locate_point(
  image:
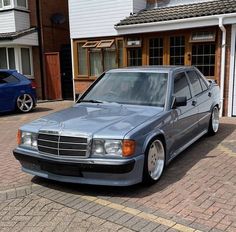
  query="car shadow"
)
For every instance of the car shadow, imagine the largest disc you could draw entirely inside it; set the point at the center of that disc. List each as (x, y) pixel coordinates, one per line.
(15, 113)
(173, 172)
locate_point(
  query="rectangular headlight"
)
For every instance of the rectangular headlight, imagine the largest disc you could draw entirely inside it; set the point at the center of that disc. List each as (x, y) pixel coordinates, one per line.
(27, 139)
(107, 147)
(119, 148)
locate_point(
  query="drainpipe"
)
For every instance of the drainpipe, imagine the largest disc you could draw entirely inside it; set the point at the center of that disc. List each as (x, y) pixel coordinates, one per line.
(41, 44)
(223, 55)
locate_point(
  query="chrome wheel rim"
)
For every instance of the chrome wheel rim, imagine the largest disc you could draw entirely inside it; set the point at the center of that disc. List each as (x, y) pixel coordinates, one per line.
(215, 119)
(25, 103)
(156, 159)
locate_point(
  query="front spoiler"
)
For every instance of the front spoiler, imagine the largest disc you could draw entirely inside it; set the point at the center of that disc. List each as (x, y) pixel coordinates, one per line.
(123, 172)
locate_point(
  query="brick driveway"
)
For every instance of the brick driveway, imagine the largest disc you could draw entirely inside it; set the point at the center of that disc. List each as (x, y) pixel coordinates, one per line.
(197, 191)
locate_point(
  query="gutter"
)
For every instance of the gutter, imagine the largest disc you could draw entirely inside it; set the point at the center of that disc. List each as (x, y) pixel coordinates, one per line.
(223, 55)
(232, 71)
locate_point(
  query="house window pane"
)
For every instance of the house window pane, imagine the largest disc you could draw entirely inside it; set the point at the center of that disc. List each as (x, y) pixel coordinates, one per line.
(135, 57)
(6, 2)
(3, 58)
(177, 50)
(109, 59)
(83, 70)
(203, 57)
(21, 3)
(0, 3)
(25, 59)
(11, 58)
(120, 55)
(156, 51)
(95, 62)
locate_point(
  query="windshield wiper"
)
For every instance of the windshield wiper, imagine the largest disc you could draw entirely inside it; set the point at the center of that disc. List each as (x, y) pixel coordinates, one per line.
(90, 101)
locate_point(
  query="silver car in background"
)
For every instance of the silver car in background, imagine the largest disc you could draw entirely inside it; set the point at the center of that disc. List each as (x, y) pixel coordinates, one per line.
(124, 129)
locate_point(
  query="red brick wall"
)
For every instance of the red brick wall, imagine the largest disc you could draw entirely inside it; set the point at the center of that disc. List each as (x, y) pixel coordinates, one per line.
(81, 86)
(54, 36)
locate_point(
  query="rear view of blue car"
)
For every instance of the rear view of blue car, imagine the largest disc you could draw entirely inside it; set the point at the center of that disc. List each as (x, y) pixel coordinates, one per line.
(16, 92)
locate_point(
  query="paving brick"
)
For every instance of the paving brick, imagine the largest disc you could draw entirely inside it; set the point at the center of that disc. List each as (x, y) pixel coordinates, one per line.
(191, 191)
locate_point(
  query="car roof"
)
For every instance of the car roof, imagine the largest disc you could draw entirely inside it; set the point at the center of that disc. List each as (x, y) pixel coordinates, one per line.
(8, 70)
(154, 68)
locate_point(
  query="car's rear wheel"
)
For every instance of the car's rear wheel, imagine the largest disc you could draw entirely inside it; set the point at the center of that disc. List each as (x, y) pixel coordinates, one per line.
(214, 121)
(154, 162)
(24, 103)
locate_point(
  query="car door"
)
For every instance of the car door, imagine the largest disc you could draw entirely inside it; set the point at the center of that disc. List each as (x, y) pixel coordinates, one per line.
(7, 91)
(185, 117)
(203, 99)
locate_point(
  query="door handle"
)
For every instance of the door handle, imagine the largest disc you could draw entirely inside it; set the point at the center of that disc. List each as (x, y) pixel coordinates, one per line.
(194, 103)
(209, 94)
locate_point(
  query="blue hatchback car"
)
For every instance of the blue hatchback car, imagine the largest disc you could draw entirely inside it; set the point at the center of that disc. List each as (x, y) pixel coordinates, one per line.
(16, 92)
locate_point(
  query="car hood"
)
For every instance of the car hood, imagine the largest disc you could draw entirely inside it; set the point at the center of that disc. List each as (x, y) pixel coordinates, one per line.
(95, 120)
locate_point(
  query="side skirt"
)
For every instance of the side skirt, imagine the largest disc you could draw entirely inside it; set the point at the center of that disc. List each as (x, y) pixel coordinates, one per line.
(181, 149)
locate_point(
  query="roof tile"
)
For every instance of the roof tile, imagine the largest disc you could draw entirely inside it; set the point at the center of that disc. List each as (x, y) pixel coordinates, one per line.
(210, 8)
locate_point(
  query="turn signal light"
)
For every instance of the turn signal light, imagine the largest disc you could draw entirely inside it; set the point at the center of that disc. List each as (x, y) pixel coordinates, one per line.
(128, 147)
(19, 137)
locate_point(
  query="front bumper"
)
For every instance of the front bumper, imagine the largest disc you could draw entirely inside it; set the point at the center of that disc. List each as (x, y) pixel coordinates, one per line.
(122, 172)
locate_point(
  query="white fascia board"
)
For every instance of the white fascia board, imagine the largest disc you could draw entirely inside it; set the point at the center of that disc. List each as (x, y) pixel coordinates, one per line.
(176, 24)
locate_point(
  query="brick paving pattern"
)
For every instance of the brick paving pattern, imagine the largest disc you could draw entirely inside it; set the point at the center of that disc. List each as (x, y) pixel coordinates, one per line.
(196, 192)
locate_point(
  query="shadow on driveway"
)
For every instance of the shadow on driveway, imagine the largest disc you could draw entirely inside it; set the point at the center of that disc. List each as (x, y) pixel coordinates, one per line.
(16, 113)
(177, 169)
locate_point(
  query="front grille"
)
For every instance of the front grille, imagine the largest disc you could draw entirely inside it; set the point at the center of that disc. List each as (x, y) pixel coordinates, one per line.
(62, 145)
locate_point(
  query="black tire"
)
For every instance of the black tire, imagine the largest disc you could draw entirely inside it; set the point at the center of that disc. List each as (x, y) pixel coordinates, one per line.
(156, 145)
(214, 121)
(24, 103)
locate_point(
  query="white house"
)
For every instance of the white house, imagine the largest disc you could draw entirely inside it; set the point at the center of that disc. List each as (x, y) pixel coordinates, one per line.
(108, 34)
(16, 37)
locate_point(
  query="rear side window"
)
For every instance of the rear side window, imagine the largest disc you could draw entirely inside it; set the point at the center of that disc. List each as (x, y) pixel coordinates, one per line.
(181, 86)
(195, 82)
(7, 78)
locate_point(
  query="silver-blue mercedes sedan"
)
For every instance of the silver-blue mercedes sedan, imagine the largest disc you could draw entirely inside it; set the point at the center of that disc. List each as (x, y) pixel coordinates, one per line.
(124, 129)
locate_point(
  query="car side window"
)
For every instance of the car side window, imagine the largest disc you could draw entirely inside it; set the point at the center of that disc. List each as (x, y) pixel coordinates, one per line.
(203, 83)
(181, 86)
(7, 78)
(195, 82)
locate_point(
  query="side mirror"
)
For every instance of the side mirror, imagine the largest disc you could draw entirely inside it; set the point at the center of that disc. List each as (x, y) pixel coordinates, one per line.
(179, 101)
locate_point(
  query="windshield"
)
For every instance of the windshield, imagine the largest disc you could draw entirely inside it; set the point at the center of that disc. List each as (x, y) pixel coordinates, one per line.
(136, 88)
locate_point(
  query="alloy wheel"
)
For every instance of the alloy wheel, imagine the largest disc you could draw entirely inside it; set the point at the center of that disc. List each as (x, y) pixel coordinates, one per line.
(25, 103)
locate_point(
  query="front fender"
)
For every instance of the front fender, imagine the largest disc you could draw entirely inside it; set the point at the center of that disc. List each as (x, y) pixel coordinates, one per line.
(151, 136)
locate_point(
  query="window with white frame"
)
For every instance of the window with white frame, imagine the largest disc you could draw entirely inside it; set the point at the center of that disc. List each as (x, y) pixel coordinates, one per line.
(22, 3)
(26, 61)
(5, 4)
(7, 58)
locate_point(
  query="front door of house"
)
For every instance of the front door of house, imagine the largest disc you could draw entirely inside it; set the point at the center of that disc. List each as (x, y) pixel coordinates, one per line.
(53, 76)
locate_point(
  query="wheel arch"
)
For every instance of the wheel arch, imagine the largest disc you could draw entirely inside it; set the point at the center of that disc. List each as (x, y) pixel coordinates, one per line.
(157, 135)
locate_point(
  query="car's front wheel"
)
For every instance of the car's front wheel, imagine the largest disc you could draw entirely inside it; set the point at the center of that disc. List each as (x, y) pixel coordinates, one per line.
(214, 121)
(154, 162)
(24, 103)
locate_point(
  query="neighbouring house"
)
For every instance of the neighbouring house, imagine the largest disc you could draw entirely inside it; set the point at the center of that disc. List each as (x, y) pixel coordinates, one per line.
(109, 34)
(33, 35)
